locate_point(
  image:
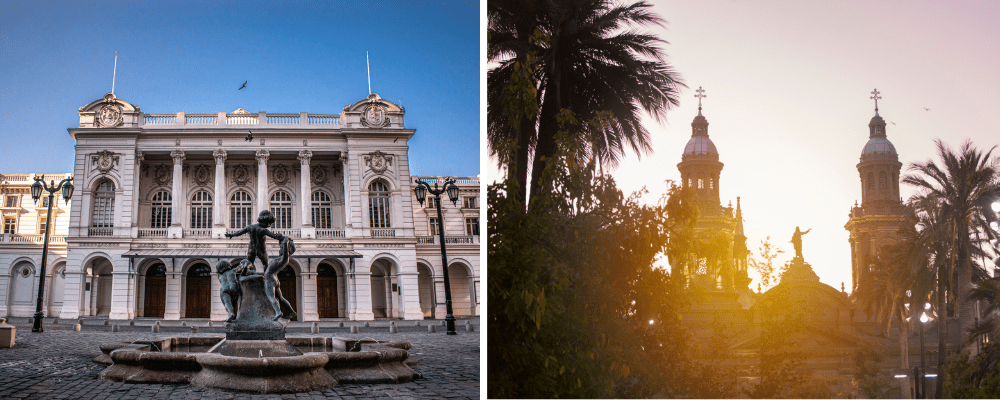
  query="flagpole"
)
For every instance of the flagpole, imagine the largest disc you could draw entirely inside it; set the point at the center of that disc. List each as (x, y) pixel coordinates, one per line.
(369, 65)
(114, 74)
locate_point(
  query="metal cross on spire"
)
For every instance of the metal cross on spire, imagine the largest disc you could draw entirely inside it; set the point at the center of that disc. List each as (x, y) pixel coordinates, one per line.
(700, 95)
(875, 95)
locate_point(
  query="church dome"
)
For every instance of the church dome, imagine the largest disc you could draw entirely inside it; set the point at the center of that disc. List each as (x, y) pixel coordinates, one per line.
(700, 145)
(878, 145)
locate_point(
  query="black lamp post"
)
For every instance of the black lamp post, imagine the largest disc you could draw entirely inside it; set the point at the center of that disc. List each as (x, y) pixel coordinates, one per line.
(36, 191)
(421, 192)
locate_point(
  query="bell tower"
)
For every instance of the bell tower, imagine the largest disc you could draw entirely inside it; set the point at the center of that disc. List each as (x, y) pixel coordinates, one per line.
(877, 220)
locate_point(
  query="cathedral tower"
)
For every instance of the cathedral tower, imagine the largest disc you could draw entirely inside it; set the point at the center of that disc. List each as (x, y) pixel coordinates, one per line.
(713, 264)
(877, 220)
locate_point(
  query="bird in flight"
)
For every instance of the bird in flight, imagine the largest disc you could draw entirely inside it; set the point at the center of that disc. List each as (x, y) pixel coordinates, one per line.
(249, 136)
(244, 85)
(926, 109)
(892, 122)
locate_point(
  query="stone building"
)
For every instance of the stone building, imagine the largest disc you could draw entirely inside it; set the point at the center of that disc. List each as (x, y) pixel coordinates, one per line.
(720, 257)
(24, 227)
(155, 194)
(876, 222)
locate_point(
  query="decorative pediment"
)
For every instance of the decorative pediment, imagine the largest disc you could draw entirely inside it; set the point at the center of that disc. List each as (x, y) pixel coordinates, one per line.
(373, 112)
(109, 112)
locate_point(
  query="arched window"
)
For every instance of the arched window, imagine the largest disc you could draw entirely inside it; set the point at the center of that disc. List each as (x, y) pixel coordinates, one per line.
(321, 210)
(104, 205)
(378, 205)
(201, 210)
(281, 208)
(240, 210)
(161, 210)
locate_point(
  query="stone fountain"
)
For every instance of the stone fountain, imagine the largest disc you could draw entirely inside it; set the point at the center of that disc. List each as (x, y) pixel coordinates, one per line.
(255, 356)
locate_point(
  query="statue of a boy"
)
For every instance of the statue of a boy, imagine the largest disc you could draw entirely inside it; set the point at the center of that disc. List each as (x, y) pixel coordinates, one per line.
(257, 232)
(271, 287)
(229, 281)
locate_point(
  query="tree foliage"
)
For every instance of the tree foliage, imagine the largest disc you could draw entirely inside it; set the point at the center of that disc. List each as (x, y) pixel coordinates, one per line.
(573, 290)
(581, 55)
(764, 265)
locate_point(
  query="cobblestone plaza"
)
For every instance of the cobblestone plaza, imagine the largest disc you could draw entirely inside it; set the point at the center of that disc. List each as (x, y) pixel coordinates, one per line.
(58, 364)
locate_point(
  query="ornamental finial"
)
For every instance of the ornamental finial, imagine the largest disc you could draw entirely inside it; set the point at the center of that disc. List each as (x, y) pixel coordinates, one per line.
(875, 95)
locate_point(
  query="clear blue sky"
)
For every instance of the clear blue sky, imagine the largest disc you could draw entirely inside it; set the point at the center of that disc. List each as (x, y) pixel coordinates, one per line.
(188, 56)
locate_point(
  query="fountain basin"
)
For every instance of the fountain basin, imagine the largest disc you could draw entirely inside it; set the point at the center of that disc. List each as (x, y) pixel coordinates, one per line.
(260, 366)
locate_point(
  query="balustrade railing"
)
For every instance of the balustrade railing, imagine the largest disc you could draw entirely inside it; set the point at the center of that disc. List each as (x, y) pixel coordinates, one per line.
(324, 120)
(100, 231)
(201, 119)
(31, 238)
(459, 239)
(292, 233)
(160, 120)
(425, 240)
(259, 119)
(282, 119)
(198, 233)
(329, 233)
(241, 119)
(152, 232)
(382, 233)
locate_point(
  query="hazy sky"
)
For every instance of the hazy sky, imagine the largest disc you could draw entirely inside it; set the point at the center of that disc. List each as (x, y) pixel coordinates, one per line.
(788, 86)
(192, 56)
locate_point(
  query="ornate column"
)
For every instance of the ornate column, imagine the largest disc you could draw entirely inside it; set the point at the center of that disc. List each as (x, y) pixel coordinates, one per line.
(136, 178)
(175, 230)
(308, 230)
(262, 156)
(219, 226)
(347, 193)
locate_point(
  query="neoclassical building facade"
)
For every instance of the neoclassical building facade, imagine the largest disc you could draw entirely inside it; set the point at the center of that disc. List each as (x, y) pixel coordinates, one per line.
(155, 194)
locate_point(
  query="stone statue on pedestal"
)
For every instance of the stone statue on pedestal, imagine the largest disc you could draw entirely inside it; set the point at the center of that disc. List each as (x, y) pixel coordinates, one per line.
(797, 241)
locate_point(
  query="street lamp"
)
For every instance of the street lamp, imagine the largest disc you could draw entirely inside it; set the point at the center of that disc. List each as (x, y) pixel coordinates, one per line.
(36, 191)
(421, 192)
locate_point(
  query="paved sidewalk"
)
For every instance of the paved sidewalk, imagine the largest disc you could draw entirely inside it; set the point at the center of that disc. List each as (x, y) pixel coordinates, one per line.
(58, 364)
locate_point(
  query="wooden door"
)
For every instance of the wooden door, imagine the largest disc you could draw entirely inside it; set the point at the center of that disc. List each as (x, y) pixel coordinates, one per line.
(326, 297)
(199, 289)
(286, 281)
(155, 296)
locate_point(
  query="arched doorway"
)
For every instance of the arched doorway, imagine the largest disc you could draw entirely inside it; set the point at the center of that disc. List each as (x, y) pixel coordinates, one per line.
(326, 291)
(102, 293)
(425, 281)
(461, 296)
(286, 281)
(380, 281)
(199, 288)
(155, 291)
(54, 290)
(21, 290)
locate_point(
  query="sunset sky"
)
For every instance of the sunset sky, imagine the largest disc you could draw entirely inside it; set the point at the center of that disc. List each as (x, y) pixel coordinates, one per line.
(788, 86)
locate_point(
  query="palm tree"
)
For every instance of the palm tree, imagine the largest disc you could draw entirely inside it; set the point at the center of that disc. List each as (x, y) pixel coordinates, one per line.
(898, 282)
(584, 56)
(959, 187)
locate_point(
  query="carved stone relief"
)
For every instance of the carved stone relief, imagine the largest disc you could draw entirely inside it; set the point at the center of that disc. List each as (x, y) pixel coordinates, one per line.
(280, 174)
(202, 174)
(105, 161)
(162, 174)
(241, 174)
(378, 161)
